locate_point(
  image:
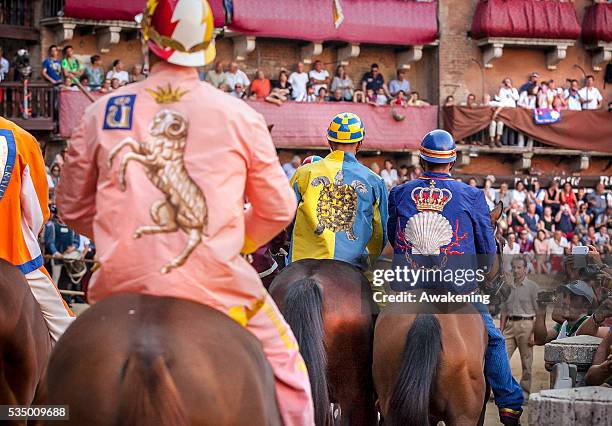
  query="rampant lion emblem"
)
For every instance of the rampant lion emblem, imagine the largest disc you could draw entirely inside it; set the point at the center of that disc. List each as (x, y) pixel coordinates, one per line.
(184, 205)
(337, 204)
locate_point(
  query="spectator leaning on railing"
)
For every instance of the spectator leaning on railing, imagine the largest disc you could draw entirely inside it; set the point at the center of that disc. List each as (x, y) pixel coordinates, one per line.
(319, 77)
(136, 74)
(260, 87)
(52, 66)
(343, 83)
(235, 75)
(298, 80)
(117, 72)
(591, 97)
(373, 80)
(95, 72)
(572, 96)
(216, 76)
(4, 66)
(399, 84)
(70, 65)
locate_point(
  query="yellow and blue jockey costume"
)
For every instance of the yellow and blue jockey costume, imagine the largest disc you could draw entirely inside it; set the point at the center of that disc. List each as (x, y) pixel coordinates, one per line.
(342, 205)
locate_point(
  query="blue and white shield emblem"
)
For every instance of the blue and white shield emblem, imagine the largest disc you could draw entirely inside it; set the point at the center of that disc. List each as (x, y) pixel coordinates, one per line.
(8, 152)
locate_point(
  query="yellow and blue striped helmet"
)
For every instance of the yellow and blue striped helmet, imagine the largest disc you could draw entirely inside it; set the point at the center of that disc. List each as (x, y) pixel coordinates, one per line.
(346, 127)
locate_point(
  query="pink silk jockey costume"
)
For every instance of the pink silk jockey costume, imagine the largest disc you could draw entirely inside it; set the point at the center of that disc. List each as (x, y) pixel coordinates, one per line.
(156, 174)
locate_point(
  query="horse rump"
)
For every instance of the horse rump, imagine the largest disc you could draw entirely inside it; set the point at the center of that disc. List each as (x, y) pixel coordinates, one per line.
(409, 401)
(148, 391)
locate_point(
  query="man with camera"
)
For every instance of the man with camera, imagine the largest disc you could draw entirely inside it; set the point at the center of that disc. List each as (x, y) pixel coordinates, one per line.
(572, 304)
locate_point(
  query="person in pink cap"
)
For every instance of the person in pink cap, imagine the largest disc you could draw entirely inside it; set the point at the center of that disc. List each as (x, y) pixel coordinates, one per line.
(156, 175)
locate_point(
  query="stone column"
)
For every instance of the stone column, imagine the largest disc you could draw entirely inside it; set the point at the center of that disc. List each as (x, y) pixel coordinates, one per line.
(577, 352)
(591, 405)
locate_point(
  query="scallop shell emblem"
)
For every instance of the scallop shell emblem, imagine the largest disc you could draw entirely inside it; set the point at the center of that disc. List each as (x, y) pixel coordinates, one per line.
(427, 232)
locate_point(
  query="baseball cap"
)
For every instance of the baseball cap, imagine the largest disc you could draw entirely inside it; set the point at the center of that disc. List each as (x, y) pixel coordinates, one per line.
(580, 288)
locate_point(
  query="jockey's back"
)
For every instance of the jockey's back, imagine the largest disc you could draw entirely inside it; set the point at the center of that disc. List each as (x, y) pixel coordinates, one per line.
(342, 211)
(454, 230)
(197, 152)
(23, 197)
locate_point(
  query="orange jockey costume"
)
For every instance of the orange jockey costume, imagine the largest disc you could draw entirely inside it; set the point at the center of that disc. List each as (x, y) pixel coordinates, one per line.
(157, 173)
(24, 209)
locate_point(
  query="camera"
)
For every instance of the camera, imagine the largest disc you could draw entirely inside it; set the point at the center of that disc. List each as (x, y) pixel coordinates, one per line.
(546, 297)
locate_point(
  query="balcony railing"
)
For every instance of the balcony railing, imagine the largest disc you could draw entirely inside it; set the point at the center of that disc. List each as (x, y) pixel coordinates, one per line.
(40, 112)
(16, 12)
(53, 8)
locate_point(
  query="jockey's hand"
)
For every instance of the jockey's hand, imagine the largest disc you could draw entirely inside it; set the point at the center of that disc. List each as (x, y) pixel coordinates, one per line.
(70, 249)
(58, 255)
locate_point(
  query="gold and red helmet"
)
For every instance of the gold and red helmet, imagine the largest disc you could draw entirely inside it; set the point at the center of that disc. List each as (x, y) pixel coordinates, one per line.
(180, 31)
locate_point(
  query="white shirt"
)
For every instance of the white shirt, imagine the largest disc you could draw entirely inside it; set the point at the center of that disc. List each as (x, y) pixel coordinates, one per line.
(592, 96)
(239, 77)
(4, 68)
(558, 248)
(573, 101)
(318, 75)
(122, 76)
(507, 97)
(527, 101)
(516, 248)
(519, 197)
(389, 177)
(298, 81)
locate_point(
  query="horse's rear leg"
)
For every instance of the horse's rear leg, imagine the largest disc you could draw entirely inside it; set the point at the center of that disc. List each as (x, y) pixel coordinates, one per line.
(465, 408)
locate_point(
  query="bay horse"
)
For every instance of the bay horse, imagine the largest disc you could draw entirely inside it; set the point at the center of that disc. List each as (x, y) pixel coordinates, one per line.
(25, 342)
(134, 359)
(429, 366)
(328, 305)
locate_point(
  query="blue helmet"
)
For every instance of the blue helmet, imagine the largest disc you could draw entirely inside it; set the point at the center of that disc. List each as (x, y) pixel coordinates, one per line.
(438, 146)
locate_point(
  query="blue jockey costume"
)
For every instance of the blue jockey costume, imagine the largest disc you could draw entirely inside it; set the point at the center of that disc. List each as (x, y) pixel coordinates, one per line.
(342, 205)
(437, 219)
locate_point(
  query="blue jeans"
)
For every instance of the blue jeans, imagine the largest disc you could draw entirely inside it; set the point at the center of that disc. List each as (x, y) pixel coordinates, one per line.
(507, 392)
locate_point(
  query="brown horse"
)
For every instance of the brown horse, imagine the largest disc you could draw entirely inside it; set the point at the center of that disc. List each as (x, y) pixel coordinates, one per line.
(429, 365)
(25, 343)
(328, 305)
(144, 360)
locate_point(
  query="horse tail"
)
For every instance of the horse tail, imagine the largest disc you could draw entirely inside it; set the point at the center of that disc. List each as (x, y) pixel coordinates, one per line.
(148, 393)
(409, 402)
(304, 314)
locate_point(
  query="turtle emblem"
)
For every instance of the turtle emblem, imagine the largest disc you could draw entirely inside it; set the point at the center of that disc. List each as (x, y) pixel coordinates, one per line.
(337, 204)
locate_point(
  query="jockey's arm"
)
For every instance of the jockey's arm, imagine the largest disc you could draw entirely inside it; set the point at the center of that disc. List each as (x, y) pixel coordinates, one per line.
(272, 200)
(484, 239)
(392, 219)
(76, 192)
(540, 333)
(37, 181)
(379, 220)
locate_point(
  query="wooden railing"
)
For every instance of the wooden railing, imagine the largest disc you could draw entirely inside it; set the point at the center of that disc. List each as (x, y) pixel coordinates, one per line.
(41, 111)
(16, 12)
(53, 8)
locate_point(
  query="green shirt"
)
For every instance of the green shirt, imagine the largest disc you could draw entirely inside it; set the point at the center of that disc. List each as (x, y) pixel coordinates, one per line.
(570, 331)
(72, 66)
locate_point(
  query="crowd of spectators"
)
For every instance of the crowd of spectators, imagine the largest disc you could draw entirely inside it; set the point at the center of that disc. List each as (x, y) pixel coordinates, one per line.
(535, 93)
(65, 71)
(541, 223)
(316, 85)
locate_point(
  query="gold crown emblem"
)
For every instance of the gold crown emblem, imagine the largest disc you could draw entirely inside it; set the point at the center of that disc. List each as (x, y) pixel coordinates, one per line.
(430, 199)
(167, 95)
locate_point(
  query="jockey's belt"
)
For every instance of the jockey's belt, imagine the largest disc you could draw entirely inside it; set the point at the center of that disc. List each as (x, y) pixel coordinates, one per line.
(268, 271)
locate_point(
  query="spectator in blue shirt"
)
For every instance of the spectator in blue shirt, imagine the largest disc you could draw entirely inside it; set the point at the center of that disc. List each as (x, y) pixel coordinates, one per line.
(400, 84)
(52, 66)
(59, 240)
(373, 80)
